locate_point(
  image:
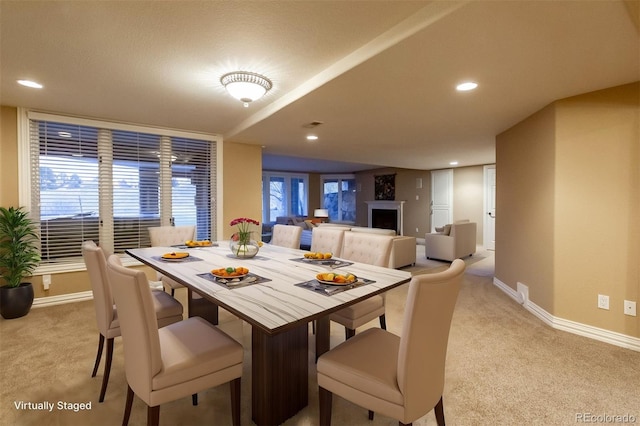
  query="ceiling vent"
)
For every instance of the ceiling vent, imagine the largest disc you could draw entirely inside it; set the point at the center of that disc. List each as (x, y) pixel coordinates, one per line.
(312, 125)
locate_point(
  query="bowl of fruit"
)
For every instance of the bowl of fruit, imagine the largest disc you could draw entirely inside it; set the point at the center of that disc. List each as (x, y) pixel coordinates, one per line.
(332, 278)
(230, 272)
(317, 256)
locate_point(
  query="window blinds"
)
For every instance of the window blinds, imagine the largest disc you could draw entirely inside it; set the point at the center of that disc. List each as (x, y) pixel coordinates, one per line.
(109, 184)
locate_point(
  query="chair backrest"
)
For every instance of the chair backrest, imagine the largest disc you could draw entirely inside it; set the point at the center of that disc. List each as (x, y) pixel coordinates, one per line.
(327, 240)
(170, 235)
(425, 335)
(138, 325)
(96, 262)
(286, 236)
(374, 249)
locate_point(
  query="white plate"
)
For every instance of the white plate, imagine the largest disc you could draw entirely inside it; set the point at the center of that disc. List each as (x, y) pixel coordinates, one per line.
(226, 277)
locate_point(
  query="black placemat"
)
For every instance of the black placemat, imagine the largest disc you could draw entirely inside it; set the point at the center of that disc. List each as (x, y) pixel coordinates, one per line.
(250, 279)
(330, 290)
(332, 263)
(184, 259)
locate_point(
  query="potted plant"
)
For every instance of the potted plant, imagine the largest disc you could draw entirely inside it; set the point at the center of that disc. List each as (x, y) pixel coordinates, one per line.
(19, 257)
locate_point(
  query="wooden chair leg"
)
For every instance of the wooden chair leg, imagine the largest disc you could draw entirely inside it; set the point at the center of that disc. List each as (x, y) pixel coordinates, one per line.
(439, 410)
(173, 292)
(98, 356)
(153, 415)
(194, 399)
(349, 333)
(325, 406)
(383, 322)
(235, 401)
(127, 406)
(370, 415)
(107, 369)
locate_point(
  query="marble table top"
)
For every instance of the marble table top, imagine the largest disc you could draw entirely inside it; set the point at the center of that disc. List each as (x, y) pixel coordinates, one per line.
(274, 305)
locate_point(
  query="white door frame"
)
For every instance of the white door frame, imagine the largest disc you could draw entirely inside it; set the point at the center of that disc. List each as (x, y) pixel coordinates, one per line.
(489, 206)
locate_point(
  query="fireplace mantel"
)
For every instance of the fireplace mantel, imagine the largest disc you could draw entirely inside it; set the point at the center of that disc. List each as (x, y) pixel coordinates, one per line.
(388, 205)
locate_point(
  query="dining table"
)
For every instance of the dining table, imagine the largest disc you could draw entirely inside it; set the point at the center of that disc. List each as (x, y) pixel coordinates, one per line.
(279, 295)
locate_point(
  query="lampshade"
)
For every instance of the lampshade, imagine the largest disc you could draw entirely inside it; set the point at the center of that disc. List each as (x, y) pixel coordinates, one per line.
(321, 213)
(246, 86)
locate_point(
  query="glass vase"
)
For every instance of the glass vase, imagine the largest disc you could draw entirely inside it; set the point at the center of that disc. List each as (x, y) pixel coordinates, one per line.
(244, 249)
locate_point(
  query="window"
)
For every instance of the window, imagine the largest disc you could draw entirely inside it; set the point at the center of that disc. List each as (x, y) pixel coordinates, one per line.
(93, 180)
(339, 197)
(285, 194)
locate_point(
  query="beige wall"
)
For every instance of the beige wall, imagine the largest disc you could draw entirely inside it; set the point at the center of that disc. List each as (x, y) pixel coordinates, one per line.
(468, 197)
(241, 182)
(568, 207)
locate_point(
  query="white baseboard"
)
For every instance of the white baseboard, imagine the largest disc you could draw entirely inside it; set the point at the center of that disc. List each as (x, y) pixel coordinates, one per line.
(63, 298)
(600, 334)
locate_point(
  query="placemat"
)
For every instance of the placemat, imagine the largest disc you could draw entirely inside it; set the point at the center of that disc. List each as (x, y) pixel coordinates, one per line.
(332, 263)
(184, 259)
(330, 290)
(231, 284)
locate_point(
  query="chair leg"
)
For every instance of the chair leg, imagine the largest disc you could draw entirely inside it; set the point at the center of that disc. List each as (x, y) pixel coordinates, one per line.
(153, 415)
(383, 322)
(439, 410)
(325, 406)
(194, 399)
(99, 355)
(173, 292)
(370, 415)
(127, 406)
(235, 401)
(349, 333)
(107, 369)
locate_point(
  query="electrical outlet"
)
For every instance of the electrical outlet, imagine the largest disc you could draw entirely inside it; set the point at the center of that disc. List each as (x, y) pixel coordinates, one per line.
(46, 281)
(417, 230)
(630, 308)
(603, 301)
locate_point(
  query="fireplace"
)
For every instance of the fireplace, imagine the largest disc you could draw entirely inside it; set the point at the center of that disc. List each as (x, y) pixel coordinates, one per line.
(386, 214)
(385, 219)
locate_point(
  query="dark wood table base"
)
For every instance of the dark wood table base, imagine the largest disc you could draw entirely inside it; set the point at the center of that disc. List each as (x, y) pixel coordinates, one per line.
(279, 374)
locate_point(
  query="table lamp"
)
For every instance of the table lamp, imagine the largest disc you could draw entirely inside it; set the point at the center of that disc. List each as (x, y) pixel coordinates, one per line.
(321, 214)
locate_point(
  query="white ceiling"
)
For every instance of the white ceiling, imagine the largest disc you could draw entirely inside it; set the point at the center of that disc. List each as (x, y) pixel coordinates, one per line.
(380, 75)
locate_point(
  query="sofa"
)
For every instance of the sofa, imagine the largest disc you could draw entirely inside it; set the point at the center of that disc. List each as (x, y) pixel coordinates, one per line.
(453, 241)
(403, 249)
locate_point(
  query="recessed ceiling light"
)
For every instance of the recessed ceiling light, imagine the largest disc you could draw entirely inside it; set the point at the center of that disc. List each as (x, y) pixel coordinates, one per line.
(29, 83)
(453, 163)
(312, 138)
(466, 86)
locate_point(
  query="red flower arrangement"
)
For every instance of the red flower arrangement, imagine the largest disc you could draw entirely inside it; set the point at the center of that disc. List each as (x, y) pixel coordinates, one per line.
(244, 229)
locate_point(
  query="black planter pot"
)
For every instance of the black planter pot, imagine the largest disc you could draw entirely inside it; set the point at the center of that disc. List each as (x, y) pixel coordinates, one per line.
(15, 302)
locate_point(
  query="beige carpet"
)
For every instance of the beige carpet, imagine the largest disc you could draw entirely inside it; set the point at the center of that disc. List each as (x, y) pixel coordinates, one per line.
(504, 367)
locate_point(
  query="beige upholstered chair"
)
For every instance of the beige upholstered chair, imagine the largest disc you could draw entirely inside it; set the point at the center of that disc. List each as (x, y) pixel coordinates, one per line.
(327, 240)
(166, 309)
(286, 236)
(399, 377)
(373, 249)
(167, 364)
(169, 236)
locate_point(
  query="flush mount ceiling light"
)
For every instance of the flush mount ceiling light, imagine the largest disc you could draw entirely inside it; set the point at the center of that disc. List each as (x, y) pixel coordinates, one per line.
(246, 86)
(466, 86)
(312, 138)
